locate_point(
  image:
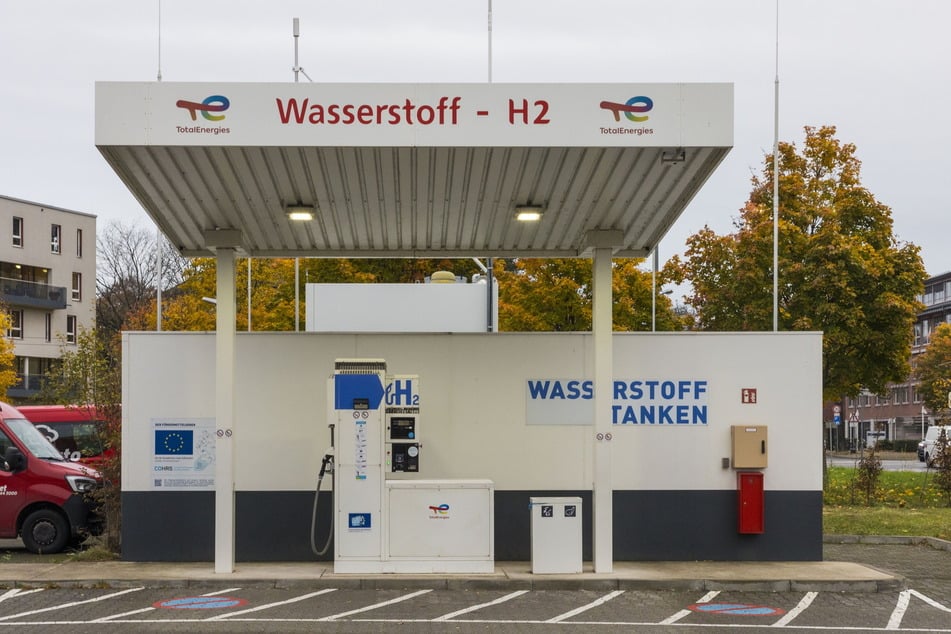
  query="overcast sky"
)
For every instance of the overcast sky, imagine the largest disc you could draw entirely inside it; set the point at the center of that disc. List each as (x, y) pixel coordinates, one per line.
(878, 70)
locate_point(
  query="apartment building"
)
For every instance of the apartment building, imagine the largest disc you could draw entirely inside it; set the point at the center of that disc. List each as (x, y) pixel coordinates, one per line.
(47, 284)
(899, 414)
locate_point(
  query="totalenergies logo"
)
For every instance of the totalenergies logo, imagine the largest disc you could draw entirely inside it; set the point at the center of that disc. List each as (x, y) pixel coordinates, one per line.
(207, 107)
(631, 108)
(440, 512)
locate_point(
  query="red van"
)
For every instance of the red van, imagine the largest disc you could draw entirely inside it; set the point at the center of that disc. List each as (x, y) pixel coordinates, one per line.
(73, 429)
(42, 496)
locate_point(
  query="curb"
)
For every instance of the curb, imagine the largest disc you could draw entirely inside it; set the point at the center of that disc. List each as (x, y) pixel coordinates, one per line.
(504, 580)
(880, 540)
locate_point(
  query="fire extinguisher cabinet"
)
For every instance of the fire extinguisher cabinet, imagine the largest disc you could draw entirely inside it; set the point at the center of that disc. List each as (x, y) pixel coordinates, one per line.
(749, 486)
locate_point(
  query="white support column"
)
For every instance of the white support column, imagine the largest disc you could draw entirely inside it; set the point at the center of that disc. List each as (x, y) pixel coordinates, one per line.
(603, 324)
(224, 411)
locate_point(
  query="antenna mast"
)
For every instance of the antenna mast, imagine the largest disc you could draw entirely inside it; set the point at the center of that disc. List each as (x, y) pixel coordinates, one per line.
(159, 75)
(298, 69)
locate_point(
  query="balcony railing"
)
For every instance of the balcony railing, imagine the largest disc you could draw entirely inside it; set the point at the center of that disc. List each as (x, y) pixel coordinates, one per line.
(32, 294)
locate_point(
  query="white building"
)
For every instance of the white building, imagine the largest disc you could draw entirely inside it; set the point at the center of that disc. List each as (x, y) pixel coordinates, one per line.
(47, 283)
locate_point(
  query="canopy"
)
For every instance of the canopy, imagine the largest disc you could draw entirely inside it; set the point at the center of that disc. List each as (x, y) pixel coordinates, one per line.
(406, 170)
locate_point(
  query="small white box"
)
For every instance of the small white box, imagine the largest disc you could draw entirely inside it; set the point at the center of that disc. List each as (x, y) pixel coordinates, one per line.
(556, 535)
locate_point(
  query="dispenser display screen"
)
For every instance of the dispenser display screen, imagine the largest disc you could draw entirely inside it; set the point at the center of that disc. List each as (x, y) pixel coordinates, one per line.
(403, 428)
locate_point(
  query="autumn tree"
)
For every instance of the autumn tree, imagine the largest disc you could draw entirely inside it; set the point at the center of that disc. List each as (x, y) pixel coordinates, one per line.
(534, 295)
(841, 269)
(555, 295)
(8, 373)
(933, 370)
(272, 288)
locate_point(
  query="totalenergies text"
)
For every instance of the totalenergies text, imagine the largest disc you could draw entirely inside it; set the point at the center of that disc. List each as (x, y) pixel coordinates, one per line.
(444, 112)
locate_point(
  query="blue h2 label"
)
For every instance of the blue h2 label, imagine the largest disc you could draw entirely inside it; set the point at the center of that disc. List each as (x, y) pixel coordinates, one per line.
(402, 393)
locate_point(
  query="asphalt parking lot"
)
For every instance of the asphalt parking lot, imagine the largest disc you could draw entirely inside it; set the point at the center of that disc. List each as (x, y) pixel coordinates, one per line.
(922, 602)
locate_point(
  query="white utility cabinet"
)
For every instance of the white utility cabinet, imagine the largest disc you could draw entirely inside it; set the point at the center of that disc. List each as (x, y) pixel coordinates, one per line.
(441, 526)
(556, 535)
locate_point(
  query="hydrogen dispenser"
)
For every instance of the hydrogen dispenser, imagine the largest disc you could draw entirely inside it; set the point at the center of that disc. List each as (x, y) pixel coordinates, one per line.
(387, 518)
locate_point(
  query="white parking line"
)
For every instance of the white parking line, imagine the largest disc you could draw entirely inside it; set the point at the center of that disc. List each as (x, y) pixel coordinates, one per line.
(591, 625)
(16, 592)
(105, 619)
(585, 608)
(69, 605)
(796, 611)
(673, 618)
(221, 617)
(217, 592)
(406, 597)
(508, 597)
(894, 621)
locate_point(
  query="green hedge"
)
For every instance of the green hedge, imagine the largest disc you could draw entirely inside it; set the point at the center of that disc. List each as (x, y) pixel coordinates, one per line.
(910, 446)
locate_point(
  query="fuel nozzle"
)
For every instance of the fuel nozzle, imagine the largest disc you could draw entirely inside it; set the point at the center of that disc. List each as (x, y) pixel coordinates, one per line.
(327, 462)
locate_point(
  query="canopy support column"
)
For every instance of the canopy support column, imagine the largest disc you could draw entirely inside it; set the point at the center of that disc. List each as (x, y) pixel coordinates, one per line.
(603, 493)
(224, 410)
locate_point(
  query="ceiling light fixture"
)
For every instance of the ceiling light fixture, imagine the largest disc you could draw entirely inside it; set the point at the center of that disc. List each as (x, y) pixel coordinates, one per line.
(528, 213)
(299, 213)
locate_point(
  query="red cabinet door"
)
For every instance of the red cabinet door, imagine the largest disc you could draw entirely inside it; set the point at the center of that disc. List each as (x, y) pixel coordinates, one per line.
(749, 485)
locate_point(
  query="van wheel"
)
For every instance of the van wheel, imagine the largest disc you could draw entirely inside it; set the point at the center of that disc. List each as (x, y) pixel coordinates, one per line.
(44, 532)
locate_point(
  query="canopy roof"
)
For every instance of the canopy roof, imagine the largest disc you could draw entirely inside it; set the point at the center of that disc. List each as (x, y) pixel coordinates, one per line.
(428, 170)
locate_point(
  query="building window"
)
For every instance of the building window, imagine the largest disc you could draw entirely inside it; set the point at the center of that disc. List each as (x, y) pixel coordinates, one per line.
(17, 231)
(48, 335)
(77, 287)
(16, 324)
(70, 328)
(79, 243)
(901, 394)
(56, 236)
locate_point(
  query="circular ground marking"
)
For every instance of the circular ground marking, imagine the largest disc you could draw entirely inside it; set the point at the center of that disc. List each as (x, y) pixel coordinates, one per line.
(200, 603)
(740, 609)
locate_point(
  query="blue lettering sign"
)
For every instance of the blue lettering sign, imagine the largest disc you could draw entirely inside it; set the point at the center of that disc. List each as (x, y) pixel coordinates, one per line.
(656, 402)
(569, 390)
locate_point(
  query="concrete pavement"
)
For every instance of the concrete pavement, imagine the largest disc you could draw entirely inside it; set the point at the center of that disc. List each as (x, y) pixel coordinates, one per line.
(841, 575)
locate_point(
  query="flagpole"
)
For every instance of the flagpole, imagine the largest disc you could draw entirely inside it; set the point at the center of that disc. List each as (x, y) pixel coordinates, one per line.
(776, 184)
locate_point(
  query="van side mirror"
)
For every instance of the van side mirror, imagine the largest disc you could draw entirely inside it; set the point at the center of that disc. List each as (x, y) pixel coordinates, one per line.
(15, 459)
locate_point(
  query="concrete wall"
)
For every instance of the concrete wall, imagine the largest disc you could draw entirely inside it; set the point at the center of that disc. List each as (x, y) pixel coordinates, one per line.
(673, 498)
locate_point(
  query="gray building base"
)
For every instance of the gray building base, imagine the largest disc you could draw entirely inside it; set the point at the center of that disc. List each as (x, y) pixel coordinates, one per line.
(648, 526)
